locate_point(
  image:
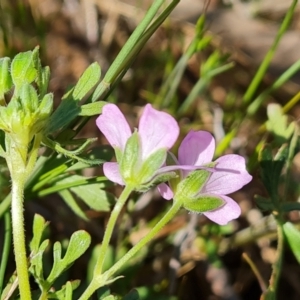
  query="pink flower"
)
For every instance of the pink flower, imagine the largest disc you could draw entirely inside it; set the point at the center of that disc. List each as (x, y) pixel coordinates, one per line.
(140, 154)
(229, 174)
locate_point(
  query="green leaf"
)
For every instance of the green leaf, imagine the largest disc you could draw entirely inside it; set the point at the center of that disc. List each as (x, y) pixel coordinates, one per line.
(39, 225)
(132, 295)
(271, 169)
(203, 203)
(111, 297)
(92, 109)
(292, 235)
(87, 81)
(79, 242)
(278, 123)
(36, 263)
(263, 203)
(68, 110)
(290, 206)
(71, 202)
(69, 291)
(104, 153)
(94, 196)
(103, 292)
(5, 78)
(65, 293)
(23, 69)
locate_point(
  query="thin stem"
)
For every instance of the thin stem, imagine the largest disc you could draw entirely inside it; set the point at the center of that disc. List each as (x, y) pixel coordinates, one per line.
(256, 272)
(110, 227)
(166, 218)
(6, 248)
(269, 56)
(126, 50)
(96, 283)
(19, 236)
(277, 266)
(5, 204)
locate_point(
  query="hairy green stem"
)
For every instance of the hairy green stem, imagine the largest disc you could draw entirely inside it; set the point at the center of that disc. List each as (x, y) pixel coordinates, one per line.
(18, 183)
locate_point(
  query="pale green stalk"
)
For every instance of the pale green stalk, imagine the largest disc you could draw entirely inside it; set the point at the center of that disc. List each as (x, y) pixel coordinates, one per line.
(18, 177)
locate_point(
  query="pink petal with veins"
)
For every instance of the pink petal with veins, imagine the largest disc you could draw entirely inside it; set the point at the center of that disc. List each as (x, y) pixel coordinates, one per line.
(226, 213)
(112, 172)
(165, 191)
(229, 176)
(157, 130)
(114, 126)
(196, 149)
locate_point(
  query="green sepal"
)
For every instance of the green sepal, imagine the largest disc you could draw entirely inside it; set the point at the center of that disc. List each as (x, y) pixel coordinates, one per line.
(23, 69)
(5, 78)
(28, 98)
(151, 165)
(4, 119)
(46, 106)
(43, 74)
(193, 183)
(130, 158)
(203, 203)
(157, 180)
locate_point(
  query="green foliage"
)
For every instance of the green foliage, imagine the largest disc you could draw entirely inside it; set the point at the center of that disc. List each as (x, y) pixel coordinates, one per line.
(271, 169)
(69, 109)
(78, 244)
(5, 78)
(23, 68)
(292, 235)
(278, 124)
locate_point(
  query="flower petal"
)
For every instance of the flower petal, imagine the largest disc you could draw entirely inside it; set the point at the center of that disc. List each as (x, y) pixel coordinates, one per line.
(230, 175)
(114, 126)
(226, 213)
(157, 130)
(196, 149)
(112, 172)
(165, 191)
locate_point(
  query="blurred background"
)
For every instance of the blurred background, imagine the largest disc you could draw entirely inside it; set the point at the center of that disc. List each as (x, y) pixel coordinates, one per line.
(192, 258)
